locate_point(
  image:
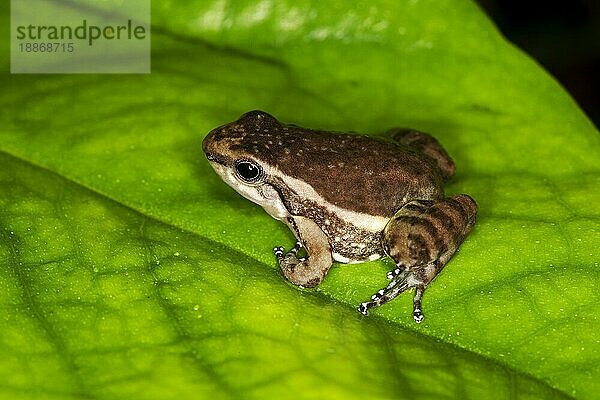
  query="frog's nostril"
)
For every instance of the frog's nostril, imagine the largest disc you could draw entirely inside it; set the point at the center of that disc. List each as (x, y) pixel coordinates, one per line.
(215, 158)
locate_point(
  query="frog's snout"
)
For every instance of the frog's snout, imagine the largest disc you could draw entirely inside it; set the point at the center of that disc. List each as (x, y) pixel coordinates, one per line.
(210, 147)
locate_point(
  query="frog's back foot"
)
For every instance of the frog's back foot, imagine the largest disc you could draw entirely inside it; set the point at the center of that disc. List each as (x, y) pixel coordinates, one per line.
(427, 145)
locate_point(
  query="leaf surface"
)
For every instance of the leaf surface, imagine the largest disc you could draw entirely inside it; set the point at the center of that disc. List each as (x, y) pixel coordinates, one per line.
(130, 269)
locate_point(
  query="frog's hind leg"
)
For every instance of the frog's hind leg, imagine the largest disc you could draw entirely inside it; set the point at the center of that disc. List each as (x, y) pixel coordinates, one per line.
(427, 145)
(421, 239)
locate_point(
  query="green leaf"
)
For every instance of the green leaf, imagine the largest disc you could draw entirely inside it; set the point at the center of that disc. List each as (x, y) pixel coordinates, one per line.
(130, 271)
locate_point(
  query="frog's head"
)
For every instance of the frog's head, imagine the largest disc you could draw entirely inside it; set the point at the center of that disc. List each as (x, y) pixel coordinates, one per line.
(240, 152)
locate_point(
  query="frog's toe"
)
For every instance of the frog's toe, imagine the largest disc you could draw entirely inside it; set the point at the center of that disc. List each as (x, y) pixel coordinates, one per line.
(278, 251)
(418, 315)
(294, 250)
(363, 308)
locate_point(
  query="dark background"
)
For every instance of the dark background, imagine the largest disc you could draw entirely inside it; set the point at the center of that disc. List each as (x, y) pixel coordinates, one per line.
(563, 36)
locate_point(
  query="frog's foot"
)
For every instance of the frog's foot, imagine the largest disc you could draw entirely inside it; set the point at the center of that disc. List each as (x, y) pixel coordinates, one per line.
(400, 283)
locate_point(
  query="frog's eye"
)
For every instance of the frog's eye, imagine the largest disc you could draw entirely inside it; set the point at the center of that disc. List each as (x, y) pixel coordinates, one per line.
(248, 171)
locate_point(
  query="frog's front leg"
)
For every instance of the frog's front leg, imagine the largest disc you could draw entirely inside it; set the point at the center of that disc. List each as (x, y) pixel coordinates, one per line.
(306, 271)
(421, 238)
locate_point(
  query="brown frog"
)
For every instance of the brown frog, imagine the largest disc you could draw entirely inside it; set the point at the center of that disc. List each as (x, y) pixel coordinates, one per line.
(348, 198)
